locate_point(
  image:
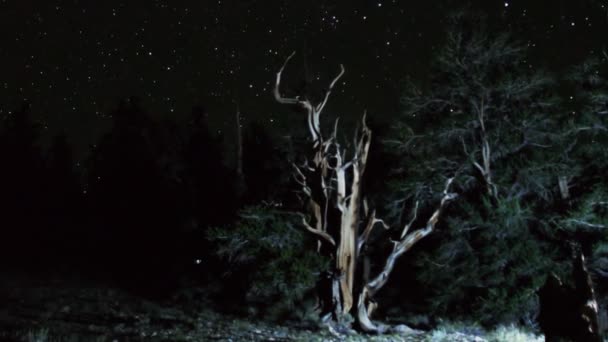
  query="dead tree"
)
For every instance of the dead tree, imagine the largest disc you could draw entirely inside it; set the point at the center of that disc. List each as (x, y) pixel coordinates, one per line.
(340, 217)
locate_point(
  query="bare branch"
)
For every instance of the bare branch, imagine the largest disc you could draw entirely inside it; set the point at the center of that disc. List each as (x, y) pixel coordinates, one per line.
(320, 107)
(407, 226)
(300, 178)
(586, 224)
(371, 222)
(399, 248)
(318, 232)
(276, 92)
(312, 118)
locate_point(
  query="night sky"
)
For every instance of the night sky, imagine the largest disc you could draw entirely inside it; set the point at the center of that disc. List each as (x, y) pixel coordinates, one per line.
(73, 60)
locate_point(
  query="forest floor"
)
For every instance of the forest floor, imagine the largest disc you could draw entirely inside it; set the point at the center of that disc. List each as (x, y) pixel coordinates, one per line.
(56, 310)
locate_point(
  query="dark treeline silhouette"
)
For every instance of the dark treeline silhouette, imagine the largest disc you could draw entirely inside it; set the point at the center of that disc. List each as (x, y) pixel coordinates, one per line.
(136, 210)
(21, 181)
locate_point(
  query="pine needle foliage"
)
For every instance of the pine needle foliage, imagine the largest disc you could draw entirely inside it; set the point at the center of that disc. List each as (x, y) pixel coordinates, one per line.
(486, 117)
(488, 265)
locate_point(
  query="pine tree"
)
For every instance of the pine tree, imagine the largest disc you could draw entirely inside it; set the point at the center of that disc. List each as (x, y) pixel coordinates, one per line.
(584, 218)
(485, 117)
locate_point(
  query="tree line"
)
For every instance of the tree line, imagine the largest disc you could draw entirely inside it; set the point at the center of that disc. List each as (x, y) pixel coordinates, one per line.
(136, 206)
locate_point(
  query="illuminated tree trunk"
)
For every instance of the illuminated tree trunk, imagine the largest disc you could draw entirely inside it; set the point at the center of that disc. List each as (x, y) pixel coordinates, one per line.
(339, 216)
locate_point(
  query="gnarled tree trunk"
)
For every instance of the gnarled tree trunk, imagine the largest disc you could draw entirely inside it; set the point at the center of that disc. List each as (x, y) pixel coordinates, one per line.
(338, 214)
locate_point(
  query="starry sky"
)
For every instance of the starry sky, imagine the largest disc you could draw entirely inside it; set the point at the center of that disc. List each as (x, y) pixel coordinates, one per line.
(73, 60)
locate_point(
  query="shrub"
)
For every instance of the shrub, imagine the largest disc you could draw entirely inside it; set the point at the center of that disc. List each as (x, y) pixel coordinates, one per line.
(272, 256)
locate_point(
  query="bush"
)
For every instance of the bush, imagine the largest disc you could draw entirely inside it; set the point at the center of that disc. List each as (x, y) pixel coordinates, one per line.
(272, 257)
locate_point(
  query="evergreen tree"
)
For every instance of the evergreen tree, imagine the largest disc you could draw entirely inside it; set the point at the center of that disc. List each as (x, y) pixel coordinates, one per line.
(585, 136)
(583, 219)
(63, 200)
(131, 202)
(485, 117)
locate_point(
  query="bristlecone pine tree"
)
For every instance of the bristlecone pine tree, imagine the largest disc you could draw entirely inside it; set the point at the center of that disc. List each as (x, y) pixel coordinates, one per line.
(341, 218)
(490, 117)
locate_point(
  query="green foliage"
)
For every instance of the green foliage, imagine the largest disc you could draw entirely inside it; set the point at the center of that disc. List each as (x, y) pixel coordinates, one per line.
(455, 331)
(512, 333)
(587, 224)
(271, 249)
(488, 260)
(590, 215)
(40, 335)
(479, 90)
(488, 264)
(586, 122)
